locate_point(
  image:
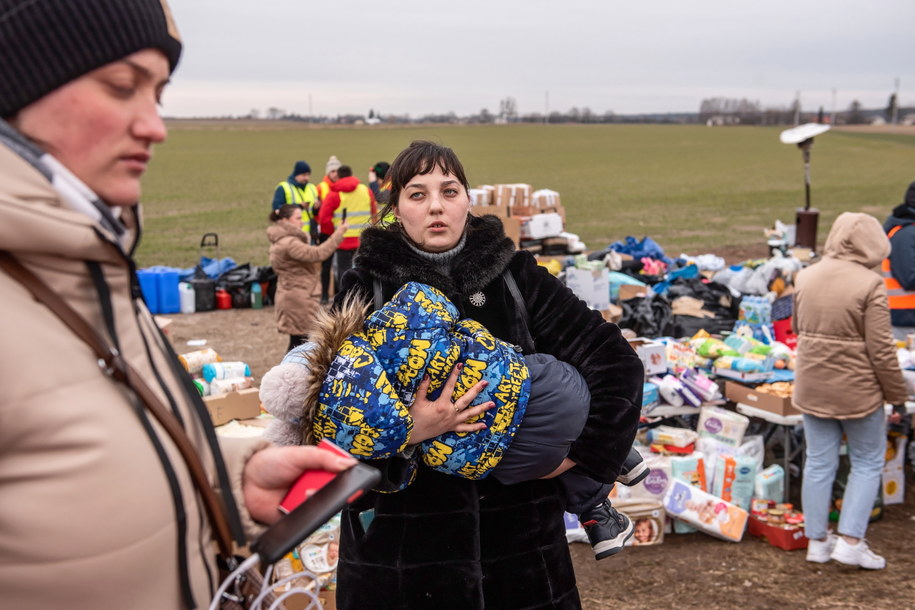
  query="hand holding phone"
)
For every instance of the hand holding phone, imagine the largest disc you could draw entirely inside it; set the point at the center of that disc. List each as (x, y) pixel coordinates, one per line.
(312, 501)
(310, 481)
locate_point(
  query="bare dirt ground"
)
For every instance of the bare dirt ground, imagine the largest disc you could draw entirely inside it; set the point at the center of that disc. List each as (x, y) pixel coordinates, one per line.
(686, 571)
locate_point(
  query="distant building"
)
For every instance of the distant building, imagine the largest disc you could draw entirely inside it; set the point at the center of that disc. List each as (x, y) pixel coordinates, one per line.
(722, 119)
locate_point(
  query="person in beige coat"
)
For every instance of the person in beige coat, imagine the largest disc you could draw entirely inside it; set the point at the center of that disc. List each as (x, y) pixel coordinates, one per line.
(298, 269)
(846, 370)
(97, 507)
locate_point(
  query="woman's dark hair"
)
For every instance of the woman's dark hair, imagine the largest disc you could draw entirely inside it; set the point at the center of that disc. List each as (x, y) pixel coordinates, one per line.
(420, 157)
(284, 211)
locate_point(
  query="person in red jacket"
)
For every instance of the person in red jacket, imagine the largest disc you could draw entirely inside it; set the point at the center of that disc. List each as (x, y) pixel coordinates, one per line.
(347, 201)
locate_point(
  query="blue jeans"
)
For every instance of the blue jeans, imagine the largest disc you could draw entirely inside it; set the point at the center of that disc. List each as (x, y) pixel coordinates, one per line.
(866, 449)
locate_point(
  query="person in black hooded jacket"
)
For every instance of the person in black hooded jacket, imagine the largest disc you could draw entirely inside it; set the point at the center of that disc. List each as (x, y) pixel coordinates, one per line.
(899, 267)
(447, 542)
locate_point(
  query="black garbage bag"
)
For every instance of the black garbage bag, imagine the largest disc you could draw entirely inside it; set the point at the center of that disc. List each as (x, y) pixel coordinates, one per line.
(716, 299)
(267, 277)
(204, 290)
(238, 281)
(647, 316)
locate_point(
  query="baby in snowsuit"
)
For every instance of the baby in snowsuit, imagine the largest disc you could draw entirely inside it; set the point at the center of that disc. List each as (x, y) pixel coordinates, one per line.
(361, 376)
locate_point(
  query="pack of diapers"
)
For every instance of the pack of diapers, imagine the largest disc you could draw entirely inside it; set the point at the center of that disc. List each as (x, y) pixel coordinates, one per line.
(654, 486)
(722, 425)
(705, 511)
(691, 470)
(735, 477)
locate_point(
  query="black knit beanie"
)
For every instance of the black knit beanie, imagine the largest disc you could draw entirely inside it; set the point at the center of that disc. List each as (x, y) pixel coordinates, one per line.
(45, 44)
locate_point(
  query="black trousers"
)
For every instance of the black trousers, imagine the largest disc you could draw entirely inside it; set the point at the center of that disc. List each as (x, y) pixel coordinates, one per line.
(326, 266)
(343, 262)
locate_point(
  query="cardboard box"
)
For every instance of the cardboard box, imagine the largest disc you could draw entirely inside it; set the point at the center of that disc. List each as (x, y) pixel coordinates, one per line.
(496, 210)
(631, 291)
(555, 209)
(789, 538)
(893, 486)
(898, 454)
(540, 226)
(760, 400)
(480, 196)
(591, 286)
(542, 198)
(647, 518)
(653, 355)
(512, 226)
(511, 195)
(613, 313)
(235, 405)
(512, 229)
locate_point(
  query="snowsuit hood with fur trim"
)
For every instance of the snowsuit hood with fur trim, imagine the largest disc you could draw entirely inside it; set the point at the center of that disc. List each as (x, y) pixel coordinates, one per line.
(371, 383)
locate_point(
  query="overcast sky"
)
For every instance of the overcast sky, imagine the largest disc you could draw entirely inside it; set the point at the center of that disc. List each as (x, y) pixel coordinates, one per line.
(421, 57)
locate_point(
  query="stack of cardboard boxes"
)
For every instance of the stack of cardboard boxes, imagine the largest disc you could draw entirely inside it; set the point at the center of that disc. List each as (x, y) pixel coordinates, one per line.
(531, 218)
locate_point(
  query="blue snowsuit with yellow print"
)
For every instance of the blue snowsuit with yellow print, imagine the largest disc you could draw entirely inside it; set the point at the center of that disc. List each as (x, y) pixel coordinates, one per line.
(365, 398)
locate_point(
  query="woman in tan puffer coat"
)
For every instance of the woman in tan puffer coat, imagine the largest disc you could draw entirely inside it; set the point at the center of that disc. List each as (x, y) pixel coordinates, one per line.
(298, 269)
(846, 370)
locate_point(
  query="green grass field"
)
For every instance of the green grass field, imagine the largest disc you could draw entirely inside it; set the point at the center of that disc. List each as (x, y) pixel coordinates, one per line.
(693, 189)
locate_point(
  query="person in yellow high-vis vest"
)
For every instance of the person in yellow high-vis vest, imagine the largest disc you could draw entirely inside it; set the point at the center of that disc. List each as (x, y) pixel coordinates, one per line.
(351, 201)
(296, 190)
(899, 267)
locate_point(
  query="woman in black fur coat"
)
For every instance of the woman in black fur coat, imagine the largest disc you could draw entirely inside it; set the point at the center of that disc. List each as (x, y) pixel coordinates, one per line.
(447, 542)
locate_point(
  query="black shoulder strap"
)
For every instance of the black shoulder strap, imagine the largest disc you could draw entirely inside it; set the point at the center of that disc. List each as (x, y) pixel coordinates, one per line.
(379, 299)
(521, 308)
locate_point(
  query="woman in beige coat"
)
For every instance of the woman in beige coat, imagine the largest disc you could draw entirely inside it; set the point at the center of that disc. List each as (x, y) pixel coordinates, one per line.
(846, 370)
(99, 509)
(298, 269)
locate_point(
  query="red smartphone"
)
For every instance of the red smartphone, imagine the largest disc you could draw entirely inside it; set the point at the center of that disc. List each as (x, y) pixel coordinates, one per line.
(318, 507)
(311, 481)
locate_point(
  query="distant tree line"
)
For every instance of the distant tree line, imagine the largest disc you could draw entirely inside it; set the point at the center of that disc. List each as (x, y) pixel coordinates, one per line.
(712, 111)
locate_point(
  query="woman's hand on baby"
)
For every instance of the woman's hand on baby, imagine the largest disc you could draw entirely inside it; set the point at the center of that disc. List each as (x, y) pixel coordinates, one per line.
(433, 418)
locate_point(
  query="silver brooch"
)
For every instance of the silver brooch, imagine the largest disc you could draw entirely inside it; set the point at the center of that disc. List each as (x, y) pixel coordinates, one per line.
(478, 299)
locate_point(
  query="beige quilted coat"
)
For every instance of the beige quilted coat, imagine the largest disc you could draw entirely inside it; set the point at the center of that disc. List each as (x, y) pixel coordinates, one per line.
(846, 359)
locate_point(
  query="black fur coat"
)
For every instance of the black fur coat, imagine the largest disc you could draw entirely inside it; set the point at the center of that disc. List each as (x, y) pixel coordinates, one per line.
(450, 543)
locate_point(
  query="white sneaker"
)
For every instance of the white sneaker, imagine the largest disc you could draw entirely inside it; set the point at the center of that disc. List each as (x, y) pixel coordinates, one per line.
(857, 555)
(819, 551)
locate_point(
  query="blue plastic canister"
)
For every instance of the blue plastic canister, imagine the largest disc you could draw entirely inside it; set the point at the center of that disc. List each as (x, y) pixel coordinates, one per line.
(169, 296)
(149, 286)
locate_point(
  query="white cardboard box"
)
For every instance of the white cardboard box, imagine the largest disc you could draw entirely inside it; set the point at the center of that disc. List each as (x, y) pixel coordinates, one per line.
(591, 286)
(541, 226)
(893, 485)
(653, 355)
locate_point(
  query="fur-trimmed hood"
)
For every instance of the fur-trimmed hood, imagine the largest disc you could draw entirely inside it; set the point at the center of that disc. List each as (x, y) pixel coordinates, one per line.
(384, 253)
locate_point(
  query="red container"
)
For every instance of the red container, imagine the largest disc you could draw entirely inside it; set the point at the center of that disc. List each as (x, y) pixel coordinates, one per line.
(784, 333)
(223, 299)
(787, 538)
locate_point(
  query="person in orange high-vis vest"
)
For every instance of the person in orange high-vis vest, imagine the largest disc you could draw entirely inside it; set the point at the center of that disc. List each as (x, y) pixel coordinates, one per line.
(899, 267)
(351, 201)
